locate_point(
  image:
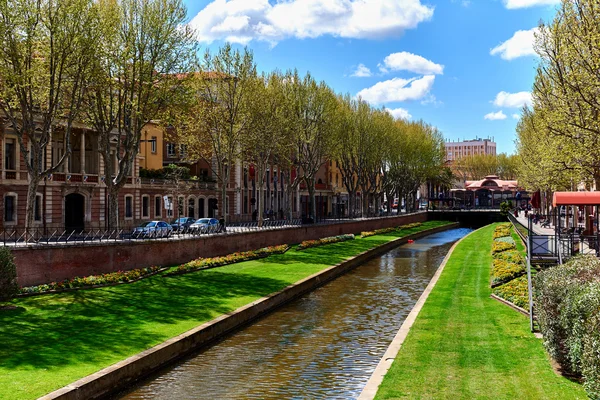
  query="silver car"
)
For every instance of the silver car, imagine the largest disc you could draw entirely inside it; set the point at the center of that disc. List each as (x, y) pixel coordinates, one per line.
(152, 229)
(206, 225)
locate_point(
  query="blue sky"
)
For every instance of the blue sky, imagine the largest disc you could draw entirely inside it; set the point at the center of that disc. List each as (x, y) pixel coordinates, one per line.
(464, 66)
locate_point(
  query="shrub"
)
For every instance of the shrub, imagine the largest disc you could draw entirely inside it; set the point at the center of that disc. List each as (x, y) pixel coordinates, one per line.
(504, 271)
(568, 300)
(590, 365)
(323, 241)
(204, 263)
(92, 280)
(512, 256)
(499, 246)
(514, 291)
(8, 274)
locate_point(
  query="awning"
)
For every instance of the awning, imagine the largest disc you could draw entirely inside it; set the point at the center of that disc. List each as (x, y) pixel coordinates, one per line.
(576, 199)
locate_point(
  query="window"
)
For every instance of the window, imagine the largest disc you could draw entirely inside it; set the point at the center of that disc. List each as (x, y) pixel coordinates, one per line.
(157, 207)
(170, 209)
(153, 144)
(128, 207)
(182, 150)
(37, 212)
(170, 150)
(10, 208)
(145, 207)
(9, 154)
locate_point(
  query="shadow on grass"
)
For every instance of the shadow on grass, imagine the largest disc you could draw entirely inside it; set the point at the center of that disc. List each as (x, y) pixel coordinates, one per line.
(95, 326)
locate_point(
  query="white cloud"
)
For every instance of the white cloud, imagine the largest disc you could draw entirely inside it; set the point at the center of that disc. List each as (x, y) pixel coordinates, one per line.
(495, 116)
(246, 20)
(516, 116)
(512, 100)
(512, 4)
(405, 61)
(399, 113)
(398, 89)
(519, 45)
(362, 71)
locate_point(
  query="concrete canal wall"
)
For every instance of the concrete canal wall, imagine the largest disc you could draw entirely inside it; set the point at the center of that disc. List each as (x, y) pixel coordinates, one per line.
(122, 374)
(42, 264)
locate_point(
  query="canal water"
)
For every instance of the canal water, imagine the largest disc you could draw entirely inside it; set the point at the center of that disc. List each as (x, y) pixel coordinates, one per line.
(326, 344)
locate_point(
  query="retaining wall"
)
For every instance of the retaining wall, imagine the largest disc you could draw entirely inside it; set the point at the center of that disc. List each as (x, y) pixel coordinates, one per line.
(122, 374)
(42, 264)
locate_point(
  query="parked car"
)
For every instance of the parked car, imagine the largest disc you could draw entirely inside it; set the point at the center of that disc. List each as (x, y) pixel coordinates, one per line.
(182, 224)
(152, 229)
(206, 225)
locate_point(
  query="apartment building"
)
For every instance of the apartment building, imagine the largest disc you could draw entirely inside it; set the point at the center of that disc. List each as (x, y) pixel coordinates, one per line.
(466, 148)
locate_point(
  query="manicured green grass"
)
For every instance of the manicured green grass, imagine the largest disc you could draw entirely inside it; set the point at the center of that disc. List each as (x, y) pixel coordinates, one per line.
(465, 345)
(52, 340)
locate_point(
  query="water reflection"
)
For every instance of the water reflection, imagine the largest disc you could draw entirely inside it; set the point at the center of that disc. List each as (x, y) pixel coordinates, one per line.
(323, 345)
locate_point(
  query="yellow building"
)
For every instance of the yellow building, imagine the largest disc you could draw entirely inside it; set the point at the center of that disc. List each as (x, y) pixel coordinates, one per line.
(151, 147)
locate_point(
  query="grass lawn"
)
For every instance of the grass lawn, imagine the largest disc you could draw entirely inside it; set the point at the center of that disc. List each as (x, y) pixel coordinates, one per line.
(52, 340)
(465, 345)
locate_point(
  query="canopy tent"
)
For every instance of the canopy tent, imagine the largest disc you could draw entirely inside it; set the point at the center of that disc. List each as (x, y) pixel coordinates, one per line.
(576, 199)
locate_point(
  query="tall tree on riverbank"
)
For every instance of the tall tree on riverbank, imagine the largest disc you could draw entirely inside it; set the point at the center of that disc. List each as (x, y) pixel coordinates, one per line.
(566, 106)
(138, 65)
(47, 48)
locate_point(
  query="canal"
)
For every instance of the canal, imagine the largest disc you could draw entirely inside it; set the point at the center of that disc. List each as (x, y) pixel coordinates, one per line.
(326, 344)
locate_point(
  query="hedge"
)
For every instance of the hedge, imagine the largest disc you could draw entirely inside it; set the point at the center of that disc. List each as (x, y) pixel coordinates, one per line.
(204, 263)
(567, 299)
(307, 244)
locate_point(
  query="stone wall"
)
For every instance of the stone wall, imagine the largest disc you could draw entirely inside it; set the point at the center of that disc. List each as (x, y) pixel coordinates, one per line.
(38, 265)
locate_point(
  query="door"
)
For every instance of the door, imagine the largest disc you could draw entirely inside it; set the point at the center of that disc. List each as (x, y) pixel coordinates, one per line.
(74, 212)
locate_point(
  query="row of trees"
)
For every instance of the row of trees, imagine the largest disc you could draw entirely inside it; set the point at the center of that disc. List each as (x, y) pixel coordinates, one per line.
(479, 166)
(559, 137)
(298, 123)
(115, 65)
(110, 64)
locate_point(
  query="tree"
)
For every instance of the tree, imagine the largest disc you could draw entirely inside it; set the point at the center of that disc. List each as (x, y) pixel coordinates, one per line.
(216, 117)
(310, 107)
(565, 100)
(145, 51)
(47, 49)
(267, 141)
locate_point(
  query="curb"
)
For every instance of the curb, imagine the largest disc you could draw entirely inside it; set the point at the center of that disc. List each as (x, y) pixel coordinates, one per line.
(510, 304)
(120, 375)
(372, 386)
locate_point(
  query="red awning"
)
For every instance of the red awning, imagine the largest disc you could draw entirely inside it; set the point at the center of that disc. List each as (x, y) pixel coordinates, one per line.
(576, 199)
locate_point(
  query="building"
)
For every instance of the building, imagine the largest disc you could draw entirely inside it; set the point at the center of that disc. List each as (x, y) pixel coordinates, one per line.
(466, 148)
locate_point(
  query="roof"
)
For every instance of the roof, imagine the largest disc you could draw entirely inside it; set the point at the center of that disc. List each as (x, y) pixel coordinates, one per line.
(491, 182)
(576, 199)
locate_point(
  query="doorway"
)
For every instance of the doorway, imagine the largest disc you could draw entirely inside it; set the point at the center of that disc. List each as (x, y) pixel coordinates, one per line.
(74, 212)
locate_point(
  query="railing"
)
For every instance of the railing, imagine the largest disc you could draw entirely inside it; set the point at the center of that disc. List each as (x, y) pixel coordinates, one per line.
(59, 237)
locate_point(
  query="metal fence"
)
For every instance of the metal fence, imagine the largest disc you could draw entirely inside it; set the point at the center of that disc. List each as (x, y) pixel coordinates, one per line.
(40, 237)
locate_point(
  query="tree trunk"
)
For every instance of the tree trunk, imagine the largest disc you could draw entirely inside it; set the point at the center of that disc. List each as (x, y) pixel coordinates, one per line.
(260, 200)
(224, 181)
(113, 207)
(310, 184)
(34, 182)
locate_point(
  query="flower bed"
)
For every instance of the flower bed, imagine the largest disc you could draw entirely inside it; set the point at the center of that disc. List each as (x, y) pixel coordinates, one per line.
(504, 271)
(514, 291)
(512, 256)
(499, 247)
(204, 263)
(498, 233)
(307, 244)
(505, 239)
(91, 281)
(388, 230)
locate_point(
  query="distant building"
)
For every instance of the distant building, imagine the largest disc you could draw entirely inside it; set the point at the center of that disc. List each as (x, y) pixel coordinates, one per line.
(456, 150)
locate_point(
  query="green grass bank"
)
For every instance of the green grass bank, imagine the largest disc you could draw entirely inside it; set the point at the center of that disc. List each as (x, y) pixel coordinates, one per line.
(50, 341)
(466, 345)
